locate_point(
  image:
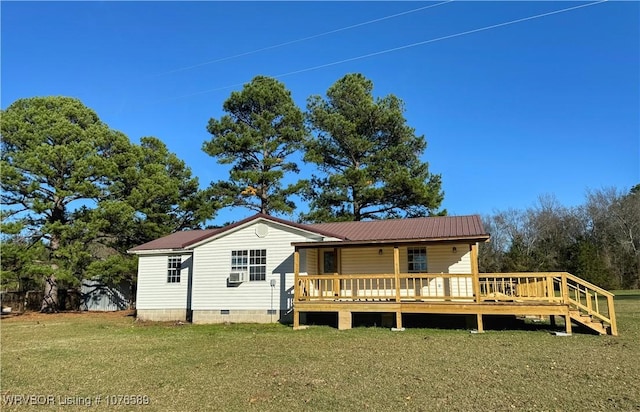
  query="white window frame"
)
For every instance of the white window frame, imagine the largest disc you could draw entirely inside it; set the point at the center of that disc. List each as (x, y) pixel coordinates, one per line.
(174, 268)
(251, 261)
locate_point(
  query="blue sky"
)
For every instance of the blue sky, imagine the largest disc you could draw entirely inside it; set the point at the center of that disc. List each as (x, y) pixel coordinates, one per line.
(546, 105)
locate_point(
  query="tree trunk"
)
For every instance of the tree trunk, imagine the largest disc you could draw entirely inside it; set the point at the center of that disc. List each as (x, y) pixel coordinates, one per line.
(356, 204)
(132, 293)
(637, 281)
(50, 298)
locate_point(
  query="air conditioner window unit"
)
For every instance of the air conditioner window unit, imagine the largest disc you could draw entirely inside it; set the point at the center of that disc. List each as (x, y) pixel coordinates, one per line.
(237, 277)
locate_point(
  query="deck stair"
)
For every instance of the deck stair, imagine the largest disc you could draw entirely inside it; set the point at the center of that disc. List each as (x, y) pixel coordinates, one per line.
(589, 305)
(589, 322)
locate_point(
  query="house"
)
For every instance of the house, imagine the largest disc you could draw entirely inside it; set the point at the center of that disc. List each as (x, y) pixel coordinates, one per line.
(239, 273)
(267, 269)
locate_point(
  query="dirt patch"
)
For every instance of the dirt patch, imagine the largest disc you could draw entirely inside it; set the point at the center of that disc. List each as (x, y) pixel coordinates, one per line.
(37, 316)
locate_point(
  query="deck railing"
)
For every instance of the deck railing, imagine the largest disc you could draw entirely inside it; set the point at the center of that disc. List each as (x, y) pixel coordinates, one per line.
(424, 286)
(429, 287)
(588, 298)
(550, 287)
(520, 287)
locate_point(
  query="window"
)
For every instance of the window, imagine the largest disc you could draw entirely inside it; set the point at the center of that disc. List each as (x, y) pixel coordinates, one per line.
(417, 259)
(174, 264)
(258, 264)
(239, 260)
(252, 261)
(329, 260)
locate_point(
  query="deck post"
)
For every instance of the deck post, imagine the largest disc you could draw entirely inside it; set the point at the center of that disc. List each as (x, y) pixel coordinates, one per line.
(476, 275)
(396, 272)
(567, 323)
(336, 282)
(296, 319)
(344, 320)
(296, 288)
(399, 319)
(296, 275)
(612, 316)
(565, 289)
(480, 324)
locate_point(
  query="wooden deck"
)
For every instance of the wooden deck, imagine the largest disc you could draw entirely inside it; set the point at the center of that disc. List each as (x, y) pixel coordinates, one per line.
(541, 294)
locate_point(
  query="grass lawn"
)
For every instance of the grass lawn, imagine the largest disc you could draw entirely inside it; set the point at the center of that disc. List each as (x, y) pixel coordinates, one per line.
(71, 357)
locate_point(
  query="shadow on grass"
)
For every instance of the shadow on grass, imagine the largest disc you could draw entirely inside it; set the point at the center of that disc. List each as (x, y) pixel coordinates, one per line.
(446, 322)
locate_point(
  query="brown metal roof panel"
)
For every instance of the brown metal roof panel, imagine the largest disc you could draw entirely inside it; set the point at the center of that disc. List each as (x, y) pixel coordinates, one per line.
(177, 240)
(374, 230)
(416, 228)
(180, 240)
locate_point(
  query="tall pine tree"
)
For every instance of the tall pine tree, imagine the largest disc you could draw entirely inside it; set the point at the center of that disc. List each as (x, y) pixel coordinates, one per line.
(56, 155)
(369, 158)
(81, 190)
(261, 130)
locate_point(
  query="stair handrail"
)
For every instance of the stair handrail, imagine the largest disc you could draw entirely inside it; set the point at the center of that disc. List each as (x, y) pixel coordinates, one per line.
(588, 284)
(588, 288)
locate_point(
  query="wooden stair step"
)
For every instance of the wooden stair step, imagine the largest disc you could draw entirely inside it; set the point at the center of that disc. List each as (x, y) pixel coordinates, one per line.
(587, 321)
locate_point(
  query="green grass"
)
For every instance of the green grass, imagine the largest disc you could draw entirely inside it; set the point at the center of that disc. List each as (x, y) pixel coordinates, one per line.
(271, 367)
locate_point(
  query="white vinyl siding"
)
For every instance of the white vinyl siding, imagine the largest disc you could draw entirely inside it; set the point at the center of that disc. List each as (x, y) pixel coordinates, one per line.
(212, 265)
(367, 260)
(311, 256)
(153, 290)
(442, 259)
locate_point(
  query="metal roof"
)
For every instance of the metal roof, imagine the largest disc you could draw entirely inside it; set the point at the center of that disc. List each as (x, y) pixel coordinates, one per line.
(181, 240)
(438, 227)
(176, 241)
(375, 231)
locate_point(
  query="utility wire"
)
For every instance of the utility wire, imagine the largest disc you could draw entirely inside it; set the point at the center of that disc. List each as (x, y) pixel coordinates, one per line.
(315, 36)
(364, 56)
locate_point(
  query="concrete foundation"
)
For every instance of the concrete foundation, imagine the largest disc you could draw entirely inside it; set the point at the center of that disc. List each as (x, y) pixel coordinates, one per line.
(162, 315)
(239, 316)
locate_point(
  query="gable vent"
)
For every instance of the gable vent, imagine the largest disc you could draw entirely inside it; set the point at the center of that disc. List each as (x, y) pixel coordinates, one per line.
(262, 230)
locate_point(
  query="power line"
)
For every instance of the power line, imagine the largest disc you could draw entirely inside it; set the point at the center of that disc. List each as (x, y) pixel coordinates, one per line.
(364, 56)
(315, 36)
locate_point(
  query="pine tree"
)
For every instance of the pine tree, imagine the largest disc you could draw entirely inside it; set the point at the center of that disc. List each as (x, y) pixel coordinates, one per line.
(369, 158)
(261, 130)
